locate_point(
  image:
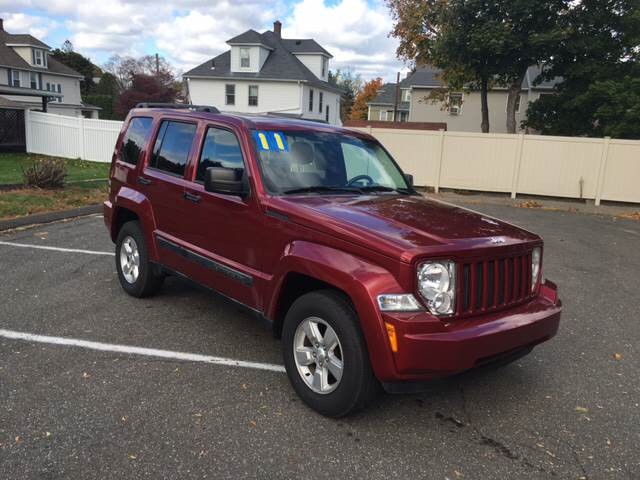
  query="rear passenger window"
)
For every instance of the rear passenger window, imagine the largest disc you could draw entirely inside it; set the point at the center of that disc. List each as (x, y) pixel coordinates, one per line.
(171, 150)
(134, 139)
(220, 149)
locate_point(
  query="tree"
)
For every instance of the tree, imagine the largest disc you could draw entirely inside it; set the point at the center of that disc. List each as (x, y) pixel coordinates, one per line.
(350, 85)
(599, 93)
(104, 95)
(79, 63)
(125, 68)
(365, 95)
(144, 88)
(478, 43)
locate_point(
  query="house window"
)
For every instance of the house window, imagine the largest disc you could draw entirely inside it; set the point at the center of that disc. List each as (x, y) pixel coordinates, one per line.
(406, 95)
(326, 115)
(253, 95)
(383, 115)
(245, 58)
(325, 62)
(455, 103)
(320, 95)
(404, 116)
(230, 94)
(15, 78)
(38, 58)
(311, 100)
(33, 80)
(517, 104)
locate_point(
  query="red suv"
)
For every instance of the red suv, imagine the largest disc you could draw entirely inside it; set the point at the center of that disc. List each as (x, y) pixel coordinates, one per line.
(316, 229)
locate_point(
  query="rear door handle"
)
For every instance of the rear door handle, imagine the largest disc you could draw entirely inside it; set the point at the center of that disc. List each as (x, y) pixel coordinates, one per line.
(191, 197)
(144, 181)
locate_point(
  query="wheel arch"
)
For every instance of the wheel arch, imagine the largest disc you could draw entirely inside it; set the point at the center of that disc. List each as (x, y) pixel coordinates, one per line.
(132, 205)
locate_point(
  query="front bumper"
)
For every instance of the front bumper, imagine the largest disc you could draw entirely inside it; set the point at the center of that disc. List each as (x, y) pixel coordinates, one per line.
(431, 348)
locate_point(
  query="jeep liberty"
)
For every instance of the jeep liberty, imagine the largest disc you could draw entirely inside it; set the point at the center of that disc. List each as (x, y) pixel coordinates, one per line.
(316, 229)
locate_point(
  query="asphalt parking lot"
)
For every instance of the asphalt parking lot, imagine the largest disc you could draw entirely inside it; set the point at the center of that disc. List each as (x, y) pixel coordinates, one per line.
(571, 409)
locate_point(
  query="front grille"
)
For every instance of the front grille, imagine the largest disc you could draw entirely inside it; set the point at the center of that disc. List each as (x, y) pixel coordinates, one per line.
(491, 284)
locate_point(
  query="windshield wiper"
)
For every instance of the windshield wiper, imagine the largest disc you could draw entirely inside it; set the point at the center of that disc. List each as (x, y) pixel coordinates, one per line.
(384, 188)
(322, 188)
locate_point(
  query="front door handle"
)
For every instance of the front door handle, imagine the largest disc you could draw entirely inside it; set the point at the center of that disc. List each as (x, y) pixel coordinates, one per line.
(191, 197)
(144, 181)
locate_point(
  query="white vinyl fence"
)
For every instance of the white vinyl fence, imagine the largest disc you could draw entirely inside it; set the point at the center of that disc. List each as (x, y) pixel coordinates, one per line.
(71, 137)
(599, 169)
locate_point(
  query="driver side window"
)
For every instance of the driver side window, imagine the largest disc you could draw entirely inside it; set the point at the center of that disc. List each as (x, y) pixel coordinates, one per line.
(220, 149)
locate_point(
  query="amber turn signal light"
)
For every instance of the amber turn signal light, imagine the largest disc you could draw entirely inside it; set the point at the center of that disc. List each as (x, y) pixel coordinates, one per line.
(391, 333)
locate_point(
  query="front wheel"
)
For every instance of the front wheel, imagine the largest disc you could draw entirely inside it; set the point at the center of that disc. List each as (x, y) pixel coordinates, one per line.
(325, 354)
(135, 271)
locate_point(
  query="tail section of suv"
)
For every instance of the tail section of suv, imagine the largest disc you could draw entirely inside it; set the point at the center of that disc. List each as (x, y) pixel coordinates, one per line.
(317, 229)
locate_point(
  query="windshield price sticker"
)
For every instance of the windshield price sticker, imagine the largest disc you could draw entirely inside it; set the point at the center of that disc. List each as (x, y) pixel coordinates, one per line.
(271, 141)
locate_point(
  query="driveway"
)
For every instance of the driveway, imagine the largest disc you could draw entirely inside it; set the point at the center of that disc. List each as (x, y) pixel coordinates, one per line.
(96, 384)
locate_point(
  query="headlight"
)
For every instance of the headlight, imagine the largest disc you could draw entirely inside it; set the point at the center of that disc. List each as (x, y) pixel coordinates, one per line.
(437, 286)
(535, 267)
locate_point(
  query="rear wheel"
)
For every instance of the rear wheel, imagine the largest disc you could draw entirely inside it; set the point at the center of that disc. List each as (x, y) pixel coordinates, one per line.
(135, 271)
(326, 356)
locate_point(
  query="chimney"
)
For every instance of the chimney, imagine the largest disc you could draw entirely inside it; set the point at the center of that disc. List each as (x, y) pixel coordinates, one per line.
(1, 24)
(277, 28)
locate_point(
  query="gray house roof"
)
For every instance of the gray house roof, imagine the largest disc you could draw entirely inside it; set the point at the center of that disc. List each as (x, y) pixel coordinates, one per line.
(24, 39)
(281, 64)
(429, 77)
(387, 96)
(304, 45)
(9, 58)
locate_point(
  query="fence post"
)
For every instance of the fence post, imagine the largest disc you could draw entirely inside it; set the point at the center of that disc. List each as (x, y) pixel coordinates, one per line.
(439, 164)
(604, 156)
(82, 146)
(516, 166)
(27, 130)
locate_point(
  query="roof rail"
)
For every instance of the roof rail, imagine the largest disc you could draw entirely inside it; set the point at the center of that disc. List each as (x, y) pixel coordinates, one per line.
(196, 108)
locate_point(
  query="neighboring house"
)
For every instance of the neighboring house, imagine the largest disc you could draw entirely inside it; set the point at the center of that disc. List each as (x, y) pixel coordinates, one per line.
(264, 73)
(30, 78)
(382, 107)
(461, 112)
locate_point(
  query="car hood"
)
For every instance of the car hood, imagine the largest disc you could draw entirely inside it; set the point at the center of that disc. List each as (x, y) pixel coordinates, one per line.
(403, 225)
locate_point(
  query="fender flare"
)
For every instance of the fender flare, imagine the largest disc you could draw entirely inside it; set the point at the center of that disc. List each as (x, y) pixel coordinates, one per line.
(136, 202)
(359, 278)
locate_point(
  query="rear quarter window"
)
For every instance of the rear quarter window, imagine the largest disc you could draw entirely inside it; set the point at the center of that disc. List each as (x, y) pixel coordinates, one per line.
(171, 150)
(135, 139)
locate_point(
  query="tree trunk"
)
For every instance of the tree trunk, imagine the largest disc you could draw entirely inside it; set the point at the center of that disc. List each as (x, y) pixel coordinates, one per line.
(484, 105)
(514, 91)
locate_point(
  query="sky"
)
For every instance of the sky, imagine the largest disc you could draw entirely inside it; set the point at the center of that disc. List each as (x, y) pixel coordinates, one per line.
(190, 32)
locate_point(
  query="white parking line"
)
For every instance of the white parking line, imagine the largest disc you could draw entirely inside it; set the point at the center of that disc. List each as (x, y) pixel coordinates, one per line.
(149, 352)
(56, 249)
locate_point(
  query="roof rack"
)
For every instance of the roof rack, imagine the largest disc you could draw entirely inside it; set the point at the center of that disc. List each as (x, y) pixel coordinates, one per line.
(195, 108)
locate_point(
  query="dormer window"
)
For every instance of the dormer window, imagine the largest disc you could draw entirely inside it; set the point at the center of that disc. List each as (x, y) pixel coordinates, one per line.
(245, 57)
(39, 58)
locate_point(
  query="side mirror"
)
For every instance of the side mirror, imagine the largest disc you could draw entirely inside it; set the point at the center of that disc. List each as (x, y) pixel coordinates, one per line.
(229, 181)
(409, 179)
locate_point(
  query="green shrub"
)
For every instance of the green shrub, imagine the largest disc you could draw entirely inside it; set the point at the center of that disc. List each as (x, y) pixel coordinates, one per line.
(45, 173)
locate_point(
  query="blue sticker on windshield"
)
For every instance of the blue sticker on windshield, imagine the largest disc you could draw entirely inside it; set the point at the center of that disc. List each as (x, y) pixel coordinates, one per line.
(271, 141)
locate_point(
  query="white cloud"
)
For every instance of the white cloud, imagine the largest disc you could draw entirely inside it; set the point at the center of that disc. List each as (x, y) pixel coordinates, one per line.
(353, 31)
(193, 31)
(39, 27)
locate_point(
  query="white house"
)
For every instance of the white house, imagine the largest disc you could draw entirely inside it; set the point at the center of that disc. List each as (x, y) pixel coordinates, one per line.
(31, 79)
(264, 73)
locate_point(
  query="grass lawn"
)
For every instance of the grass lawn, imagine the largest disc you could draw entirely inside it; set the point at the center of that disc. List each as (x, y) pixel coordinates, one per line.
(11, 165)
(25, 201)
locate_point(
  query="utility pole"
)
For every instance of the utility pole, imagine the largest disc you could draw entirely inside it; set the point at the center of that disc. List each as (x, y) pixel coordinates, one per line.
(157, 65)
(397, 99)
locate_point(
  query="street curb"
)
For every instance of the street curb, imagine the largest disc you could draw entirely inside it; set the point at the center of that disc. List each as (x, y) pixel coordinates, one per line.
(41, 218)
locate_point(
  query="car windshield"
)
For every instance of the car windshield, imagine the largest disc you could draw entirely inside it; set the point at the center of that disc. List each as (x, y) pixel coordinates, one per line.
(325, 163)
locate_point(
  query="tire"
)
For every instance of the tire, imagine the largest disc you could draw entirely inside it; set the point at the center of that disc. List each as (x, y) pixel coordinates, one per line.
(357, 385)
(146, 281)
